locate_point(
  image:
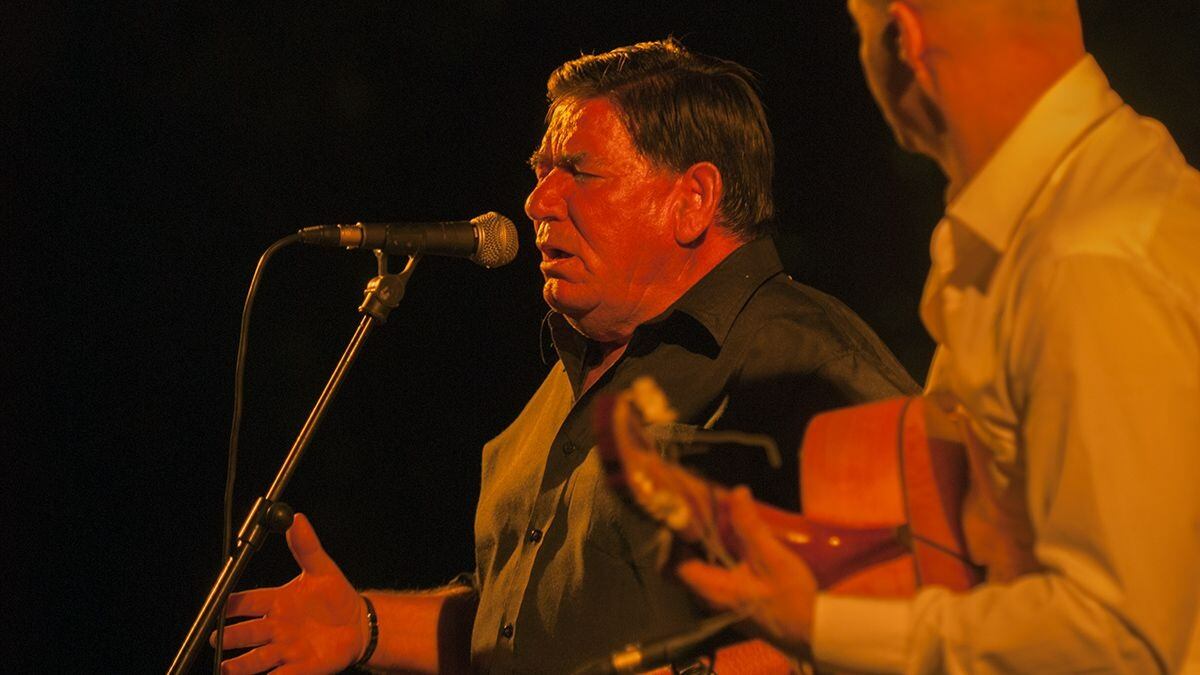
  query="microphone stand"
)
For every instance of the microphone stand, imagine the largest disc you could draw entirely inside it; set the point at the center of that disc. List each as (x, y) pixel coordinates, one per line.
(382, 295)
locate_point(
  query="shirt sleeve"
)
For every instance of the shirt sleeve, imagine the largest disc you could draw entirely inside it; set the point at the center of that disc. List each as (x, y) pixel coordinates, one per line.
(1105, 378)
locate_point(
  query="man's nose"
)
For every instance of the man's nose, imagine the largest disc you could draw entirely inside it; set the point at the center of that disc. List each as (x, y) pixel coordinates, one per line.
(545, 201)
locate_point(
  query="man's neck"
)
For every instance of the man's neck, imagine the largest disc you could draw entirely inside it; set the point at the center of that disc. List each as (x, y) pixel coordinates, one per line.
(674, 281)
(595, 367)
(984, 105)
(607, 342)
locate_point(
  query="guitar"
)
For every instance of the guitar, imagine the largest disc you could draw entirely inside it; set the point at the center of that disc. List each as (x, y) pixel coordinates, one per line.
(882, 500)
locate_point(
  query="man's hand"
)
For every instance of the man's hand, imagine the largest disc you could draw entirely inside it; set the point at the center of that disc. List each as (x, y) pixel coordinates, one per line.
(316, 623)
(770, 584)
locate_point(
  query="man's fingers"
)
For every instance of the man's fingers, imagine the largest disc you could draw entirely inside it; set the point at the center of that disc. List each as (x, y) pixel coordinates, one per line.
(761, 550)
(250, 603)
(257, 661)
(744, 514)
(245, 634)
(778, 568)
(307, 549)
(715, 585)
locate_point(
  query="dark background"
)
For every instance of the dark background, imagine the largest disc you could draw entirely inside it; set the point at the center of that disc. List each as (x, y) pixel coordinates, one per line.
(151, 153)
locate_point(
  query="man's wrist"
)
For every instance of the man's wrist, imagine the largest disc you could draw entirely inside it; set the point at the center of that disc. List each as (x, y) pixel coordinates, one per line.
(372, 631)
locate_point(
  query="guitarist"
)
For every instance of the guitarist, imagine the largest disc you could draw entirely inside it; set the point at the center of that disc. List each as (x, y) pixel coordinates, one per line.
(652, 211)
(1065, 300)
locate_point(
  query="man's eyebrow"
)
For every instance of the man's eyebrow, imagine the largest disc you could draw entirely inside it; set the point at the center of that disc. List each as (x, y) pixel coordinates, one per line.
(569, 161)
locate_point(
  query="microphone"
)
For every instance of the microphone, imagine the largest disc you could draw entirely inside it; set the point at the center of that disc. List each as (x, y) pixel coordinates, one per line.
(489, 240)
(637, 658)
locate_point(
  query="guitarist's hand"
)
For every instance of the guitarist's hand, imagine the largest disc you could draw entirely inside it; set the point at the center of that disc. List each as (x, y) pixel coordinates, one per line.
(770, 584)
(316, 623)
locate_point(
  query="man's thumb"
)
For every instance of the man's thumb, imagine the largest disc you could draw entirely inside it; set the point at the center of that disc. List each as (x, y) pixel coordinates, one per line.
(307, 549)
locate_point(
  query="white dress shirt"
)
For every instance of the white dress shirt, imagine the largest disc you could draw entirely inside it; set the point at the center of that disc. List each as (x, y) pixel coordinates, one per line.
(1065, 299)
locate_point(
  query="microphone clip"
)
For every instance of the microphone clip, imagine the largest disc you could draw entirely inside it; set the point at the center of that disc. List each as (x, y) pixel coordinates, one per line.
(384, 292)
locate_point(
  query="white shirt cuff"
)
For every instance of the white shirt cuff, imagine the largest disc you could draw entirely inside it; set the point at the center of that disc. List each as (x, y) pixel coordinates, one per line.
(862, 634)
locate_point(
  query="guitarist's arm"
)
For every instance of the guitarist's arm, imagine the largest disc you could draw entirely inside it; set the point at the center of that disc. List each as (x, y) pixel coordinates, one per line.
(1108, 432)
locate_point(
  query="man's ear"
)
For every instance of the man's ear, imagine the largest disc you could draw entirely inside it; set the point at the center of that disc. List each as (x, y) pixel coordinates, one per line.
(699, 199)
(912, 44)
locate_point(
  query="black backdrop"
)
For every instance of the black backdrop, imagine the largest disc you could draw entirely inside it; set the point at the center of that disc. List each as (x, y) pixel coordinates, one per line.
(151, 154)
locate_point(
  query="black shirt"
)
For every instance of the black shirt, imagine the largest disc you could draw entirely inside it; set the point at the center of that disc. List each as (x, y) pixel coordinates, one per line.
(564, 567)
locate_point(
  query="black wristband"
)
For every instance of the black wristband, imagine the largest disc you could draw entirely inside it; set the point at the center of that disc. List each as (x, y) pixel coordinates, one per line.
(373, 626)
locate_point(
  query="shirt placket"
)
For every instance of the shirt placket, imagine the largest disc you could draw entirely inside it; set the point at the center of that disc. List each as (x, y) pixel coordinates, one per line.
(564, 456)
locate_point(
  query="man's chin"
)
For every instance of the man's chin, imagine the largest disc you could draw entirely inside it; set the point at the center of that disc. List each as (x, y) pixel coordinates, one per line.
(563, 298)
(580, 310)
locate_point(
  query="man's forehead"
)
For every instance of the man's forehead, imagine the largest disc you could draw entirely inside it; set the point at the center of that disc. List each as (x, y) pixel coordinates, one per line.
(564, 117)
(562, 124)
(567, 118)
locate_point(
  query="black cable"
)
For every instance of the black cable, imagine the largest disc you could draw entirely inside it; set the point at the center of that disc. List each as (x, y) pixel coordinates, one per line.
(235, 427)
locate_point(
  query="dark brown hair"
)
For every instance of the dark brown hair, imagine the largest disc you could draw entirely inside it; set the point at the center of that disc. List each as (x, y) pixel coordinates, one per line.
(681, 108)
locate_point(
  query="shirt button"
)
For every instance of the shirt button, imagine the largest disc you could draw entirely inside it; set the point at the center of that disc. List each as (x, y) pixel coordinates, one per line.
(533, 536)
(568, 448)
(506, 631)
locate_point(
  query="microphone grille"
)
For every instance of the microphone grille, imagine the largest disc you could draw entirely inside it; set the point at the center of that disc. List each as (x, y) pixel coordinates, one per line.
(497, 240)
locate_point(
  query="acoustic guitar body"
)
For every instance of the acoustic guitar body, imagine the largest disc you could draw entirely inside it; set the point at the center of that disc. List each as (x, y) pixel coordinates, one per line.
(875, 466)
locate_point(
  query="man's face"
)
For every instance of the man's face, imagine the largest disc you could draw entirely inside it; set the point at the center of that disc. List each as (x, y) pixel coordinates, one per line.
(599, 208)
(910, 114)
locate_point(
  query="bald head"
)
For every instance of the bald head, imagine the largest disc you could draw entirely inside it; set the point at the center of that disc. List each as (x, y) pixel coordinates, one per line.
(1045, 24)
(955, 76)
(1027, 9)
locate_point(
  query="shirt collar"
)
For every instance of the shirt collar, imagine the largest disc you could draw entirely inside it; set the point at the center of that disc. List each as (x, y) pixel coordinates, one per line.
(996, 199)
(713, 302)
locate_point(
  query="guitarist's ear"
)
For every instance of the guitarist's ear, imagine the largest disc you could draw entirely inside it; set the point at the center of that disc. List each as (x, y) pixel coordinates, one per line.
(698, 193)
(906, 35)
